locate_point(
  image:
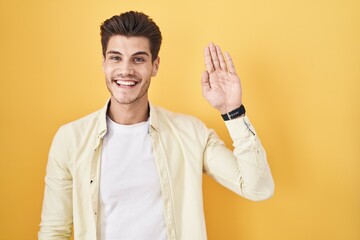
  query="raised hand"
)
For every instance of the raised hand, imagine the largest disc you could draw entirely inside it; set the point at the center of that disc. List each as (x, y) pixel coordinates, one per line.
(221, 86)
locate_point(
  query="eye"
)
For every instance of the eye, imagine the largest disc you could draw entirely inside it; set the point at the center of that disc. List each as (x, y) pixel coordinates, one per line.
(115, 58)
(139, 60)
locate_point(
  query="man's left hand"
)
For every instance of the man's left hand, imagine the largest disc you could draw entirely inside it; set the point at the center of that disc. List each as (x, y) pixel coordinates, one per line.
(221, 86)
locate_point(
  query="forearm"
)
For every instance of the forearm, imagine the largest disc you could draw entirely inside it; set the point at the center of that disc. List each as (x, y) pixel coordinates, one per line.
(56, 216)
(254, 172)
(245, 170)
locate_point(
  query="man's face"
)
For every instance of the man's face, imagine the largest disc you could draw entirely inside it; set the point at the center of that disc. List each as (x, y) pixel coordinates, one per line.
(128, 69)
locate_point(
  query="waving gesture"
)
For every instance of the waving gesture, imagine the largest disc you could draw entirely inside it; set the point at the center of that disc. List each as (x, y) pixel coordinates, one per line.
(220, 84)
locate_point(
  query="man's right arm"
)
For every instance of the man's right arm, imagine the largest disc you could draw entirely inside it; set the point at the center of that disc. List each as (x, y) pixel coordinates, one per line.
(56, 217)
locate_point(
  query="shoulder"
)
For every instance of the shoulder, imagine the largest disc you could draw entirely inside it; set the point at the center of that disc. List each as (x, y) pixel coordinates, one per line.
(175, 116)
(82, 129)
(175, 120)
(87, 122)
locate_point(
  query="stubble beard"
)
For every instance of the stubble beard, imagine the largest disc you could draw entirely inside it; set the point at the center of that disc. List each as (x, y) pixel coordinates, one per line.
(126, 98)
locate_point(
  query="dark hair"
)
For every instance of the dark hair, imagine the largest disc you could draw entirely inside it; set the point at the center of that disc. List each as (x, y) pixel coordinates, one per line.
(131, 24)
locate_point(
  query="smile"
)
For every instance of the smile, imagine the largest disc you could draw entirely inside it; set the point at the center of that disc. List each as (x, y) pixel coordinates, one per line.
(126, 83)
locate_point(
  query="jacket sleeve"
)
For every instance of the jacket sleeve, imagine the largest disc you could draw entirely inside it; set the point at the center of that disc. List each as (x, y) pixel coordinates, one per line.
(56, 217)
(245, 171)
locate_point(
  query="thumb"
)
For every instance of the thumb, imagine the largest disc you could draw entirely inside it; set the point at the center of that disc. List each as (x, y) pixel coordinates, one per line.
(205, 81)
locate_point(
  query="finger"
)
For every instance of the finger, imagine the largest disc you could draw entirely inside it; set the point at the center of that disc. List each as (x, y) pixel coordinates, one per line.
(205, 81)
(230, 63)
(208, 63)
(214, 56)
(221, 58)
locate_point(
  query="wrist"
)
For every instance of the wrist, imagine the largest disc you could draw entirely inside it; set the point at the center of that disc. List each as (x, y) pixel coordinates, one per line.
(224, 109)
(238, 112)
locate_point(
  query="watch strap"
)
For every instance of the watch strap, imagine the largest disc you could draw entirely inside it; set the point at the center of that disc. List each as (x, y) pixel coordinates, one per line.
(234, 113)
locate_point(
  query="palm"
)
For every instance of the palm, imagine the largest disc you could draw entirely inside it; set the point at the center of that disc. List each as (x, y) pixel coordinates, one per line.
(220, 83)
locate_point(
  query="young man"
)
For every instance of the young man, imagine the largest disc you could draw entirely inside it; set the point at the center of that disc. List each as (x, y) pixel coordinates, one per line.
(133, 170)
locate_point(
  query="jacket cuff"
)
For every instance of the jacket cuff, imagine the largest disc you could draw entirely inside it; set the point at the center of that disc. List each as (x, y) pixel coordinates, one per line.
(240, 128)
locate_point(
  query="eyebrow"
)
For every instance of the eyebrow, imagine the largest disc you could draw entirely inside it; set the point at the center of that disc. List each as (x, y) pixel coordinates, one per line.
(119, 53)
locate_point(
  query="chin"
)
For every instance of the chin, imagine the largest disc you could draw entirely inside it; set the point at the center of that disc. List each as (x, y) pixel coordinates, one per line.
(122, 100)
(129, 98)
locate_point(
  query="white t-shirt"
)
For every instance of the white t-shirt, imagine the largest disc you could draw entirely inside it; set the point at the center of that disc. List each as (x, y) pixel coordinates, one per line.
(130, 203)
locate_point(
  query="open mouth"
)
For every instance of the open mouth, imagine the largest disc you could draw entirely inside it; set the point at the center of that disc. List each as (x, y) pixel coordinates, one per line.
(126, 83)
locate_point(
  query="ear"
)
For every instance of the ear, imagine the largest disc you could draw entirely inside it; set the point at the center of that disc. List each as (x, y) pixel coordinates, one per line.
(103, 63)
(155, 66)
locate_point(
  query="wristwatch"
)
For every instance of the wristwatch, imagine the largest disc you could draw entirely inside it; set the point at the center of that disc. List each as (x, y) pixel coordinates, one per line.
(234, 113)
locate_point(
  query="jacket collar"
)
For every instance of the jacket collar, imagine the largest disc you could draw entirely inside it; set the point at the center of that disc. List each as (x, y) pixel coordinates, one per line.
(102, 126)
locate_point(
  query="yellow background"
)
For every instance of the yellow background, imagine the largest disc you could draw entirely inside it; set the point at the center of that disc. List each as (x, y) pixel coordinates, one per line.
(299, 62)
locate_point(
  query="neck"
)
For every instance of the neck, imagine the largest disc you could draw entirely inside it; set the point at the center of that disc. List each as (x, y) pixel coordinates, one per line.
(128, 114)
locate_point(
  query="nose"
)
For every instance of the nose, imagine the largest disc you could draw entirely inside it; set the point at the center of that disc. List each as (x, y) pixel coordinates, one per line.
(125, 68)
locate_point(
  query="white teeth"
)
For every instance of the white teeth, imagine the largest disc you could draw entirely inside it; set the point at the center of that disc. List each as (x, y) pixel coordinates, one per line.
(126, 83)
